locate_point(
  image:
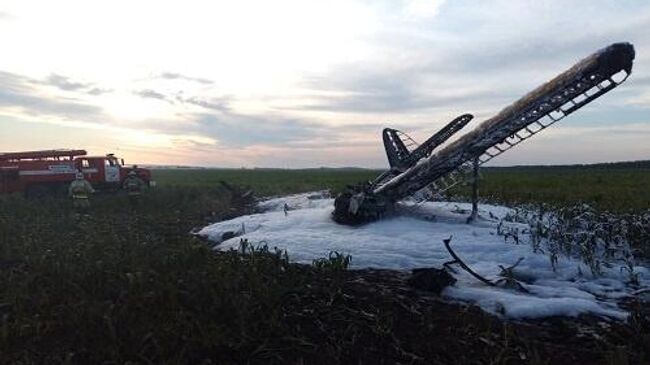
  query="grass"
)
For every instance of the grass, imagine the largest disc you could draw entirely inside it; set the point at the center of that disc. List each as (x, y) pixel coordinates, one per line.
(615, 187)
(125, 285)
(266, 181)
(130, 285)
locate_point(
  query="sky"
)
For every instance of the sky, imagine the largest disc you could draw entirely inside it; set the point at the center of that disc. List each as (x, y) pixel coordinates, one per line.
(295, 84)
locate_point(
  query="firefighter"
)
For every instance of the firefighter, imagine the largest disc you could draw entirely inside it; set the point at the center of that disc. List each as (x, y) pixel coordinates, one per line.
(80, 191)
(133, 186)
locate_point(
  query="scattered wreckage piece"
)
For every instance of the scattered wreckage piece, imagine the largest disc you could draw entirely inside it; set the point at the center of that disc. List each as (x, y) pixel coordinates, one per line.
(430, 279)
(507, 278)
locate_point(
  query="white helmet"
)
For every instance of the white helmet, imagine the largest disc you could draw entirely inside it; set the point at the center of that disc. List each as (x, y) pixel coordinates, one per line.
(79, 176)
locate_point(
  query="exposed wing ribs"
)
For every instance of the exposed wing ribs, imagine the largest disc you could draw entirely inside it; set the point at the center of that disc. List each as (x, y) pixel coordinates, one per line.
(536, 111)
(431, 170)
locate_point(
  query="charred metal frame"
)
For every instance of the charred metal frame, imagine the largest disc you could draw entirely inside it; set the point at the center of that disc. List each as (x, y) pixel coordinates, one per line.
(434, 172)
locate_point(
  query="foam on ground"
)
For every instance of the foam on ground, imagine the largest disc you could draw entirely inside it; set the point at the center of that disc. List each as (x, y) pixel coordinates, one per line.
(414, 238)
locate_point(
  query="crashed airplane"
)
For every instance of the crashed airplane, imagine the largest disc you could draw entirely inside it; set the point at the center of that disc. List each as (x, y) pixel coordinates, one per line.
(424, 172)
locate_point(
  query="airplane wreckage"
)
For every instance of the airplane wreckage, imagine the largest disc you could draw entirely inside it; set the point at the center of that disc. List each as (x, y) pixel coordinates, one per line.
(423, 173)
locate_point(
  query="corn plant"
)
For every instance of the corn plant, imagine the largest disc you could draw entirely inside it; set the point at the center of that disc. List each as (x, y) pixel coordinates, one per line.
(597, 238)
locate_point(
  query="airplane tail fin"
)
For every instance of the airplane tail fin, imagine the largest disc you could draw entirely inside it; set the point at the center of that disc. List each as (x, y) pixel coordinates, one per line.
(402, 151)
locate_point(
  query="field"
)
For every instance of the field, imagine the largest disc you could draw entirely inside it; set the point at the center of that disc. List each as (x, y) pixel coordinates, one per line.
(266, 182)
(128, 284)
(615, 187)
(618, 188)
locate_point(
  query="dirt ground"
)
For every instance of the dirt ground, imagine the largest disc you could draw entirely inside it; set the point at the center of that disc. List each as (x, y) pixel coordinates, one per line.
(390, 322)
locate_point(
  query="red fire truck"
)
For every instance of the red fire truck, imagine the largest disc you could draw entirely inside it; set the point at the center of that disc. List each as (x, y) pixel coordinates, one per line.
(38, 173)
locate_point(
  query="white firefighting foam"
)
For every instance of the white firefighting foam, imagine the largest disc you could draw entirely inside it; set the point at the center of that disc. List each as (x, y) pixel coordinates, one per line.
(414, 238)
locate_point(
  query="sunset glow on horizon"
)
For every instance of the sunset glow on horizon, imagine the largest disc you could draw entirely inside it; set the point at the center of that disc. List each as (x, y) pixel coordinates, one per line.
(295, 84)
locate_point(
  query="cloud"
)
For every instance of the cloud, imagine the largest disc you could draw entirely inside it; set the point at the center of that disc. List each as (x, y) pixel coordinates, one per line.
(177, 76)
(65, 83)
(234, 130)
(5, 16)
(98, 91)
(468, 59)
(239, 130)
(211, 103)
(219, 104)
(358, 90)
(151, 94)
(18, 93)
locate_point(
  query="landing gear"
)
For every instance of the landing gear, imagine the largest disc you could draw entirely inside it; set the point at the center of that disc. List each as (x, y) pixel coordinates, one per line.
(475, 178)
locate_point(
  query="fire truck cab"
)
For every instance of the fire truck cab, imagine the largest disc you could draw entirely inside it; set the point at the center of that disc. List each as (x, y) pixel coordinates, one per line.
(44, 172)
